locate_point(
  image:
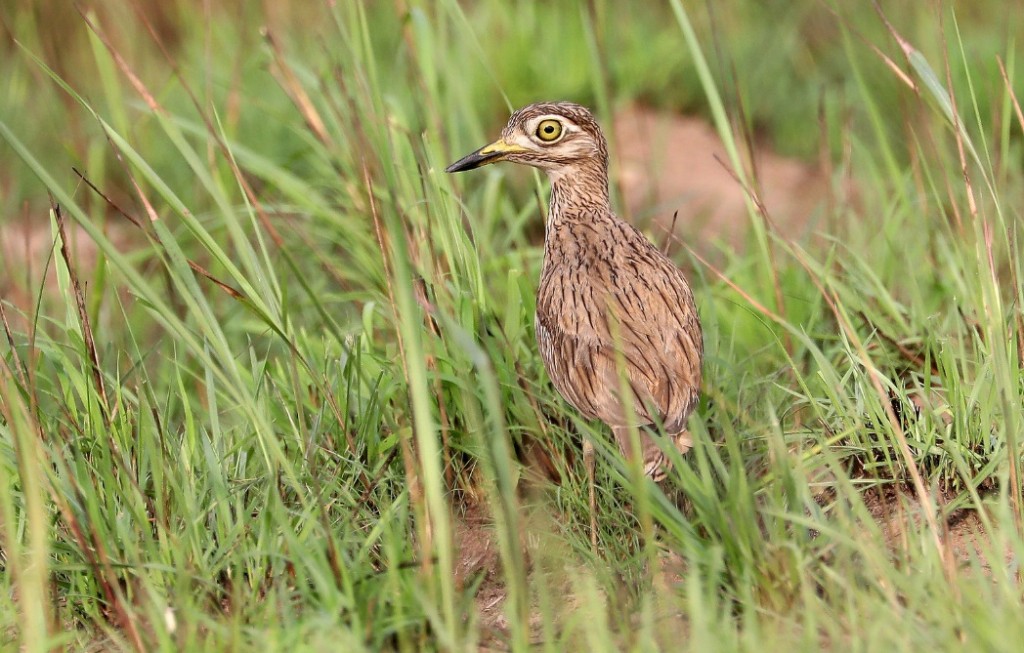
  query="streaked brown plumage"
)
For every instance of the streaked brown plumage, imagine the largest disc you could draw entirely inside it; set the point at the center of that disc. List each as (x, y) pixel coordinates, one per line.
(610, 306)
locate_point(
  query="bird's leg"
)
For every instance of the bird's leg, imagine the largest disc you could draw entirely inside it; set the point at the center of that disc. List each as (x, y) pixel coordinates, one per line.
(683, 441)
(652, 459)
(590, 460)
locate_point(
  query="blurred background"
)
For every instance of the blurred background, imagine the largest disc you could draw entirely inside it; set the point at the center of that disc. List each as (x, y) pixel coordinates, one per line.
(789, 73)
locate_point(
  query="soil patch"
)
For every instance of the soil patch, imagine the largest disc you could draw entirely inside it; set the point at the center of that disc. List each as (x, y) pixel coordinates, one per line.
(899, 516)
(667, 163)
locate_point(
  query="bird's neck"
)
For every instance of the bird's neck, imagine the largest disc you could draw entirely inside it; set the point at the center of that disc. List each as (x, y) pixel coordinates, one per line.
(579, 191)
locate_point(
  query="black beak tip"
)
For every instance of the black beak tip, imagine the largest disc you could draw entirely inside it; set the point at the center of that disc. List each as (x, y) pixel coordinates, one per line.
(468, 162)
(474, 160)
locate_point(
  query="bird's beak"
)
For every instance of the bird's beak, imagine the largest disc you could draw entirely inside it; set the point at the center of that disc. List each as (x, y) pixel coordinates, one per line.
(492, 153)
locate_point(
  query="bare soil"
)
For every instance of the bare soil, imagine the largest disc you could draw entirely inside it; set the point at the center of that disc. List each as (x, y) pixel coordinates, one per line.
(668, 163)
(962, 532)
(28, 260)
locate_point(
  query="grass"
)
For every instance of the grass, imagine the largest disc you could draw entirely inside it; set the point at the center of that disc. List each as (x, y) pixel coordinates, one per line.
(298, 366)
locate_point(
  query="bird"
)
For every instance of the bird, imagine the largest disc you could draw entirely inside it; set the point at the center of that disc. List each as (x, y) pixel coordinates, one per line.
(616, 323)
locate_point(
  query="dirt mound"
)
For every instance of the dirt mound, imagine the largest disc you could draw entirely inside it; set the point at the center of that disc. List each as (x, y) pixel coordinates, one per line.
(666, 163)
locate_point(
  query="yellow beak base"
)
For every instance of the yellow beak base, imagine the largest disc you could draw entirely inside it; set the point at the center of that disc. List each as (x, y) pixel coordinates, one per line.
(492, 153)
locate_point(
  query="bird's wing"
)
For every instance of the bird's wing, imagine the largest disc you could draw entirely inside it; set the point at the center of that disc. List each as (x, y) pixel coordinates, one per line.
(661, 340)
(624, 324)
(578, 366)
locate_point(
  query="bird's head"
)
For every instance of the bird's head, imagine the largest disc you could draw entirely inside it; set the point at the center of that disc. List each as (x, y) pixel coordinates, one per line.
(557, 137)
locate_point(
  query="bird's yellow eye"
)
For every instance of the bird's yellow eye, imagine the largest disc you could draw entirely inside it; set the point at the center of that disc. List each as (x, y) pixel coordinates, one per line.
(549, 130)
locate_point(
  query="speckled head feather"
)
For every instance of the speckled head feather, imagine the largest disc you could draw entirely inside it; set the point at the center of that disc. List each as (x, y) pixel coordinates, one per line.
(583, 138)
